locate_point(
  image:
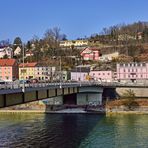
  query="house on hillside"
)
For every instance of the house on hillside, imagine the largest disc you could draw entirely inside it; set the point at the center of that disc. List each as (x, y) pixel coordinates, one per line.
(8, 69)
(90, 53)
(109, 57)
(17, 51)
(6, 51)
(75, 43)
(29, 54)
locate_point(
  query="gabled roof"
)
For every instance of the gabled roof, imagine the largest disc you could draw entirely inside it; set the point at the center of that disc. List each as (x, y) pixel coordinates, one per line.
(7, 62)
(28, 64)
(29, 52)
(91, 49)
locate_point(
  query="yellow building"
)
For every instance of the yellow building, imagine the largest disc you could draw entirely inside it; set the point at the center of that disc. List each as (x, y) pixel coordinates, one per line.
(28, 72)
(76, 43)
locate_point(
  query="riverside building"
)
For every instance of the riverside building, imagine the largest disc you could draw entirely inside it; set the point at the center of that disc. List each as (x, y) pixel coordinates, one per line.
(134, 72)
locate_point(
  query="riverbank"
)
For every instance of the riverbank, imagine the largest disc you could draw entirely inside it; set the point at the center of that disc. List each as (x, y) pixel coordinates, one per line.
(126, 112)
(63, 111)
(124, 106)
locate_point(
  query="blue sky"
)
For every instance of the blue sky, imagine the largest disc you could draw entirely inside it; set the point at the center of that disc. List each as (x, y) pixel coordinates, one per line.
(76, 18)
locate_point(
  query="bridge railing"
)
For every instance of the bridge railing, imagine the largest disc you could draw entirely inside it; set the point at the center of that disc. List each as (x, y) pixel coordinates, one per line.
(13, 85)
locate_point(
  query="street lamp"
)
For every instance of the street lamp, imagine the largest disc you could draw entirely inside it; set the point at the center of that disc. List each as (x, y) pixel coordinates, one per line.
(23, 88)
(61, 73)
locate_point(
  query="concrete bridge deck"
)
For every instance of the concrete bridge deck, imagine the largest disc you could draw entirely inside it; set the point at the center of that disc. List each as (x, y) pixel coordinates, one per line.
(33, 92)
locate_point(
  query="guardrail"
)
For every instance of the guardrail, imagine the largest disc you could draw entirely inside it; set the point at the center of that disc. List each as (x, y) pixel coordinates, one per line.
(12, 85)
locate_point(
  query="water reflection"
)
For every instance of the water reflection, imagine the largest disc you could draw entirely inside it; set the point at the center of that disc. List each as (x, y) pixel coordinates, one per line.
(119, 131)
(39, 130)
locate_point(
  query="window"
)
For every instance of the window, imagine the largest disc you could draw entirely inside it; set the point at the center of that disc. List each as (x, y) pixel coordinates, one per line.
(143, 64)
(7, 77)
(108, 73)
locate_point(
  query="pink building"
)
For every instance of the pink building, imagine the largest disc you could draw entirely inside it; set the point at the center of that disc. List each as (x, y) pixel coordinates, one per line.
(132, 71)
(8, 69)
(90, 53)
(106, 76)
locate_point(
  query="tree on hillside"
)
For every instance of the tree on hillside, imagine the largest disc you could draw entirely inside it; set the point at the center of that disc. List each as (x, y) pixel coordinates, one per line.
(17, 42)
(28, 45)
(52, 38)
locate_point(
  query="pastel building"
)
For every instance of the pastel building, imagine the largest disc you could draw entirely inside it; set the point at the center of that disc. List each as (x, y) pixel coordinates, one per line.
(132, 71)
(76, 43)
(80, 73)
(27, 71)
(106, 76)
(8, 69)
(90, 53)
(36, 70)
(44, 72)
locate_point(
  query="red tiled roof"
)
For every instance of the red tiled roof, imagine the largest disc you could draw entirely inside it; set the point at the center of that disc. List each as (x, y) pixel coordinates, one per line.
(29, 52)
(7, 62)
(28, 64)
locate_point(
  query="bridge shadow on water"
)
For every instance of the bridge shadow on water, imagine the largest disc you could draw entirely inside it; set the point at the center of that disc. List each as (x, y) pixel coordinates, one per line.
(46, 130)
(70, 129)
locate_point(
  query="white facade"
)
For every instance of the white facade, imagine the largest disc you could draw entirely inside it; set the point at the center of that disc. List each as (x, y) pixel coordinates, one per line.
(17, 51)
(44, 72)
(69, 43)
(108, 57)
(6, 51)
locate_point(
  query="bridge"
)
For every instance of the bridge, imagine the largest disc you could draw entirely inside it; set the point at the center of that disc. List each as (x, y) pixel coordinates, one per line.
(82, 93)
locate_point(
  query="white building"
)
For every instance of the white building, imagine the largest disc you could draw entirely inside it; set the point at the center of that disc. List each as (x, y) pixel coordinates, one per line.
(109, 57)
(6, 51)
(17, 51)
(76, 43)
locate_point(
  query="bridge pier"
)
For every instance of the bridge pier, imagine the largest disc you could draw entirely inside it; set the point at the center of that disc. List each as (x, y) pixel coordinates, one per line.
(90, 95)
(89, 99)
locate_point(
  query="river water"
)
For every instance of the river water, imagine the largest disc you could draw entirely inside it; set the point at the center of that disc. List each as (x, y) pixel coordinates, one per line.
(73, 131)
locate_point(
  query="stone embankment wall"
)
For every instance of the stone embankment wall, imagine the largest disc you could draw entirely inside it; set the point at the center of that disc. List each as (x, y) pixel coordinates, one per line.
(126, 109)
(139, 92)
(118, 106)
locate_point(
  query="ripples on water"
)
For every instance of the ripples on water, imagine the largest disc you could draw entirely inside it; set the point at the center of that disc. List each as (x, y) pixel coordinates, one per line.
(73, 131)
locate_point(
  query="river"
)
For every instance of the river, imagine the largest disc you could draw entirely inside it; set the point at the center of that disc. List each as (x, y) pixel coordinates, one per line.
(73, 131)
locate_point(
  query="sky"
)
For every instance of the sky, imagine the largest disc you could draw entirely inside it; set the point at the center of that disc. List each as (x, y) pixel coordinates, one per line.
(75, 18)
